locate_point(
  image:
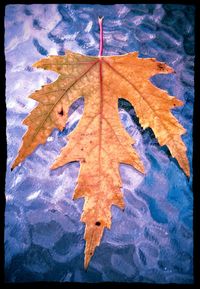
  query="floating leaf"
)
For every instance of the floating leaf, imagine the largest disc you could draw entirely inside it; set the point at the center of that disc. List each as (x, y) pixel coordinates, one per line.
(100, 142)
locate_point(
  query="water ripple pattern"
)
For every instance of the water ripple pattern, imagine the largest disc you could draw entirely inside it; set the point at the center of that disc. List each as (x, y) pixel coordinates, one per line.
(152, 240)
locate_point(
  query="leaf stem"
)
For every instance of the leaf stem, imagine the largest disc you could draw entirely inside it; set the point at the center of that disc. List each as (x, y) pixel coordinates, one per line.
(101, 36)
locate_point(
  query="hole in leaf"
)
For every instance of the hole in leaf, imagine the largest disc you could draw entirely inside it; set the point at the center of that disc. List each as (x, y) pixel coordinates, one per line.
(61, 112)
(98, 223)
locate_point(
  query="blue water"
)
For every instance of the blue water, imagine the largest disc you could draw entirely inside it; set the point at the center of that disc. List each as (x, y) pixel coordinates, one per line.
(152, 240)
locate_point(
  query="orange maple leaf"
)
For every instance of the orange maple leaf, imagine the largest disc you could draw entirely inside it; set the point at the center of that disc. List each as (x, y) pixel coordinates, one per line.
(99, 141)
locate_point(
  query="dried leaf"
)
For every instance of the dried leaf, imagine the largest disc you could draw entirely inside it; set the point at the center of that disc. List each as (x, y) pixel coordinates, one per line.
(99, 141)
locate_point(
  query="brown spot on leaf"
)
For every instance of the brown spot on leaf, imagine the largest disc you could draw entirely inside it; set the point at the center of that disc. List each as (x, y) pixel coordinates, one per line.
(161, 66)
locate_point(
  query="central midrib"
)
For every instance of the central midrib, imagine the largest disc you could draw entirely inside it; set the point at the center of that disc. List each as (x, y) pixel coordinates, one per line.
(100, 113)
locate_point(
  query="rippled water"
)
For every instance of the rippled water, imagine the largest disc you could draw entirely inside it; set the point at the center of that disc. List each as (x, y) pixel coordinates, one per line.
(152, 240)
